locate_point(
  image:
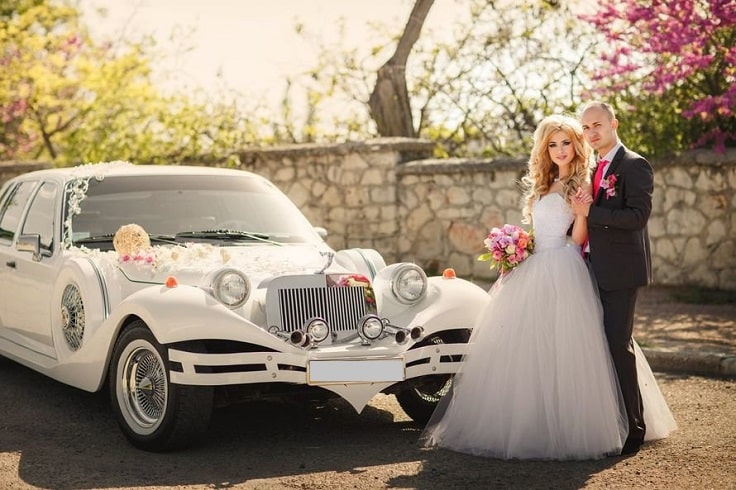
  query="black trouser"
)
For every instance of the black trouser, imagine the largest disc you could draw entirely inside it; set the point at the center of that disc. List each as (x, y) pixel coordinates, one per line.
(618, 321)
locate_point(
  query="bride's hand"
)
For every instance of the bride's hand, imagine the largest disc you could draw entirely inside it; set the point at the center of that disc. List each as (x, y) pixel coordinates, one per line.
(582, 197)
(581, 203)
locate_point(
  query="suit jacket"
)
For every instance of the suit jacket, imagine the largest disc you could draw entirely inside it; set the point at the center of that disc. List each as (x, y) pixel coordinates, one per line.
(617, 224)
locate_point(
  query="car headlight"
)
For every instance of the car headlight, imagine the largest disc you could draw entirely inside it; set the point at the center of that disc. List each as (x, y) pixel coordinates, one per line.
(370, 327)
(409, 283)
(318, 329)
(231, 287)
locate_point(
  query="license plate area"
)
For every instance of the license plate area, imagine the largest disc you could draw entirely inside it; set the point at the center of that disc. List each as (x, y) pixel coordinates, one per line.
(331, 371)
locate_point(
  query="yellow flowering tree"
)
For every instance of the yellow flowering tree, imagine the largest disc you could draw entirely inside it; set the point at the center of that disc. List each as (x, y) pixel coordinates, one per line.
(66, 99)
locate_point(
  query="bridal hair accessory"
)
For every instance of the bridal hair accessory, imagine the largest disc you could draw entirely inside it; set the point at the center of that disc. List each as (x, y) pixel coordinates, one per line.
(609, 185)
(508, 247)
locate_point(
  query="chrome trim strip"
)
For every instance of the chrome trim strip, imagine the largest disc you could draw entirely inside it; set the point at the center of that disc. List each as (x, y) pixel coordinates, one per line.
(103, 288)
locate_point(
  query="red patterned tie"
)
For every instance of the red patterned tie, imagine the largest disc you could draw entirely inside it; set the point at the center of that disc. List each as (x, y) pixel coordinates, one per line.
(598, 176)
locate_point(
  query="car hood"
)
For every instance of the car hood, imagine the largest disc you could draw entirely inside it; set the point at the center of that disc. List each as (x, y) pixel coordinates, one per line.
(191, 263)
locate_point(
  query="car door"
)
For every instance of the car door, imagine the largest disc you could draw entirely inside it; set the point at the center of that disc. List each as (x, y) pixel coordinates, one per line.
(13, 203)
(28, 279)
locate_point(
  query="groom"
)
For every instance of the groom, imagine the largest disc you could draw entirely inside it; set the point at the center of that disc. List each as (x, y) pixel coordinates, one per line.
(618, 247)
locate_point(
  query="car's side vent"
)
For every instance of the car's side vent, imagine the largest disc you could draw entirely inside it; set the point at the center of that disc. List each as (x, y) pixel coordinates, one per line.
(72, 316)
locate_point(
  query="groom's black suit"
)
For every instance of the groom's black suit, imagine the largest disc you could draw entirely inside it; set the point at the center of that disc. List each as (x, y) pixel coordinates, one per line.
(621, 263)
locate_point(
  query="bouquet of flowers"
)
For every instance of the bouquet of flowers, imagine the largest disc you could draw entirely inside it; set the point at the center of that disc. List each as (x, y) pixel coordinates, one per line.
(508, 247)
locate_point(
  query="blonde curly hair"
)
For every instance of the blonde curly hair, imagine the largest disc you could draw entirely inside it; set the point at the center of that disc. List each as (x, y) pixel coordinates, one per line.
(542, 172)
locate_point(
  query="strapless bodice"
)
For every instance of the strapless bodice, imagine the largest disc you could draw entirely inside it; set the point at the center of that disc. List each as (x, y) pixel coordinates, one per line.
(551, 218)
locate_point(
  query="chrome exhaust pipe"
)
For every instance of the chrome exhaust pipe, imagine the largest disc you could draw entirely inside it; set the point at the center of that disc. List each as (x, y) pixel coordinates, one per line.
(297, 337)
(416, 333)
(300, 339)
(400, 334)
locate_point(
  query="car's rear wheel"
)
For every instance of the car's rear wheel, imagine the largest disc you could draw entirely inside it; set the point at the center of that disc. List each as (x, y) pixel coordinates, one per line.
(154, 414)
(420, 397)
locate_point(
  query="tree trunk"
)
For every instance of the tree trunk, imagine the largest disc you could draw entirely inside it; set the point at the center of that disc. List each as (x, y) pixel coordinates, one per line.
(389, 102)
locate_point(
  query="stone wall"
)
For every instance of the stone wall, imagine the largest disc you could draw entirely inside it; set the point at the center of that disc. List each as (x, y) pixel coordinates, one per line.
(388, 194)
(448, 206)
(350, 189)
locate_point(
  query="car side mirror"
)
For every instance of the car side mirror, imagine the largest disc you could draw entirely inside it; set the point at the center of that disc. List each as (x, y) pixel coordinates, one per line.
(322, 232)
(30, 243)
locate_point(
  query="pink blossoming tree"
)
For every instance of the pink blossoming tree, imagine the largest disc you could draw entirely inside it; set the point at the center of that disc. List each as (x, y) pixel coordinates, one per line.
(674, 57)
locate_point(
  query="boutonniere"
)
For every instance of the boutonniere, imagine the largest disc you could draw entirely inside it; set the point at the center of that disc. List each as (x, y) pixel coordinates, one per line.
(609, 184)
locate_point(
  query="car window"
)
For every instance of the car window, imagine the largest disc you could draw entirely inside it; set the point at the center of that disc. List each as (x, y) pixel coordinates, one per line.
(174, 204)
(40, 219)
(11, 209)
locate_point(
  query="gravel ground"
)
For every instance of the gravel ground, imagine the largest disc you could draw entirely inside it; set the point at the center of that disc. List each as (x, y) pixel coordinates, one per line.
(55, 437)
(663, 321)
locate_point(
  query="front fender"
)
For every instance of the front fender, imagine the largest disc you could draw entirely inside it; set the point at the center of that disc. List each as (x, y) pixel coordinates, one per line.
(455, 303)
(449, 304)
(188, 313)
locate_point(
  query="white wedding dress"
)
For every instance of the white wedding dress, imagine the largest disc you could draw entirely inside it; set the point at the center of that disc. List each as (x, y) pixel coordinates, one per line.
(538, 381)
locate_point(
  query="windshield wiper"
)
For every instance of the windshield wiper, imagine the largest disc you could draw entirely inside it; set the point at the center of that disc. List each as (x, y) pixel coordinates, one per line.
(224, 235)
(163, 238)
(107, 237)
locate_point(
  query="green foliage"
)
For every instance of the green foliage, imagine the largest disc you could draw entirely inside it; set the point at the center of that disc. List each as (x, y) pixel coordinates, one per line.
(653, 124)
(67, 99)
(480, 91)
(499, 75)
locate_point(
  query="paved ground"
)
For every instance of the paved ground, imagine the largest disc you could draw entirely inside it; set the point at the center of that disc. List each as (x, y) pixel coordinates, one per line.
(56, 437)
(688, 330)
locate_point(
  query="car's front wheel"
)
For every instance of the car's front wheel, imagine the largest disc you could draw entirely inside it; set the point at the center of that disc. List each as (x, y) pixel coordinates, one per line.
(419, 397)
(154, 414)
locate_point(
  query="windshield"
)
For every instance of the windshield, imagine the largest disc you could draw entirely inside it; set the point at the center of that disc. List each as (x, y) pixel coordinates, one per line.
(177, 205)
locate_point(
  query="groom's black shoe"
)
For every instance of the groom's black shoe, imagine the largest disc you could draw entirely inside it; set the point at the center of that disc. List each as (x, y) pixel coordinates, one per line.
(631, 446)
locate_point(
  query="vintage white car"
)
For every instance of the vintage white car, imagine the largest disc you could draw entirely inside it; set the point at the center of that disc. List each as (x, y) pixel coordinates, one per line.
(181, 289)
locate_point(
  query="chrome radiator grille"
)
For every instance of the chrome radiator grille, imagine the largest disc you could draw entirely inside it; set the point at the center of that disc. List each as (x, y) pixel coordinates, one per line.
(341, 307)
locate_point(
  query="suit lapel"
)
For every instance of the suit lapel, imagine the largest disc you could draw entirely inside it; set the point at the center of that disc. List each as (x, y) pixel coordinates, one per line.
(617, 158)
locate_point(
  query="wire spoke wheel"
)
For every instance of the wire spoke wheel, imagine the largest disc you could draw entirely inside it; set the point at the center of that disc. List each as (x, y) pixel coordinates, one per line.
(145, 386)
(420, 396)
(154, 414)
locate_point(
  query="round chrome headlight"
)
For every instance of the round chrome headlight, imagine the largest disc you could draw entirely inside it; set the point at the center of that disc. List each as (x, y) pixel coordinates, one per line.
(370, 327)
(409, 283)
(318, 329)
(231, 287)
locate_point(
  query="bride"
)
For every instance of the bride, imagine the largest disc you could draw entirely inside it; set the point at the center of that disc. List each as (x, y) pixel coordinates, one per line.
(538, 381)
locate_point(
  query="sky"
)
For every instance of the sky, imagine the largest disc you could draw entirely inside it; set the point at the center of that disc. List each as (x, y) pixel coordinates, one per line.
(248, 45)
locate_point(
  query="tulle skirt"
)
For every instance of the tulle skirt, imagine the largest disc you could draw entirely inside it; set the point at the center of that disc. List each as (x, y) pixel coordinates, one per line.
(538, 381)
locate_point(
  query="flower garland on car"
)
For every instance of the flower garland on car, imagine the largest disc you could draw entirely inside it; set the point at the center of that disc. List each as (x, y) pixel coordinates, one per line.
(77, 192)
(508, 247)
(192, 258)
